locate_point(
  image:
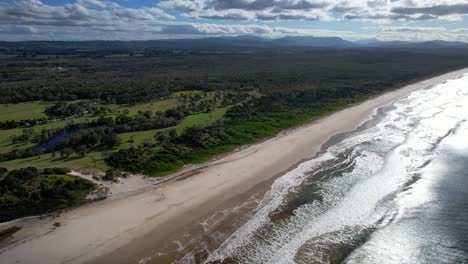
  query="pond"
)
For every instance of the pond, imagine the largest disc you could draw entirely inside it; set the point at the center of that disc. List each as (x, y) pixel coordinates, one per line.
(43, 147)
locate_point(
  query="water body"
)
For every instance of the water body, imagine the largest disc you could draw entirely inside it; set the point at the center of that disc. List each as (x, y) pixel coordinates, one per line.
(395, 191)
(55, 140)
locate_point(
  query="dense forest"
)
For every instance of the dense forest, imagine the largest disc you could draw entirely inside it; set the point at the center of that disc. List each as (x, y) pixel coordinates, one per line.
(153, 111)
(132, 78)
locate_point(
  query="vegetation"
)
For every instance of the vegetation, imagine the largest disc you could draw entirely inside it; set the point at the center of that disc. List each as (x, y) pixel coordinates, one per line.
(23, 111)
(64, 109)
(153, 111)
(29, 191)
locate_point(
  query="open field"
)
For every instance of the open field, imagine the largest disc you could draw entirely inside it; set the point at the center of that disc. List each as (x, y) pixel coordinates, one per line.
(92, 161)
(95, 160)
(29, 110)
(154, 106)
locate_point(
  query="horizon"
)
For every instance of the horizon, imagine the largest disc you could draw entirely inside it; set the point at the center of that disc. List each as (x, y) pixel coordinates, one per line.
(240, 36)
(140, 20)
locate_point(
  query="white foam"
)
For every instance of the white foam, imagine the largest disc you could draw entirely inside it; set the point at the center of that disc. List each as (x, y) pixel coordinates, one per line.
(385, 157)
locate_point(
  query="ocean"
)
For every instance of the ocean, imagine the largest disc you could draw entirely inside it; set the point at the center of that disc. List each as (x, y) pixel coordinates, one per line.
(393, 191)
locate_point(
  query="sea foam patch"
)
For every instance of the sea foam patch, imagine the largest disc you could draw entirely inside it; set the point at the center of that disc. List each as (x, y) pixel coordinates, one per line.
(352, 188)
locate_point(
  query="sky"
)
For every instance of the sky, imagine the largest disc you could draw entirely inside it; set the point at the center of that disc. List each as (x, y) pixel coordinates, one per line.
(409, 20)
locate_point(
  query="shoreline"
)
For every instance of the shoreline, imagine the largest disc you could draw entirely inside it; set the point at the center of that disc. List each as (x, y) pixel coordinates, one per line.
(126, 223)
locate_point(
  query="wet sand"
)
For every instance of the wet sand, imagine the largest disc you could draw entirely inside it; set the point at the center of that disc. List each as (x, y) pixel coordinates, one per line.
(125, 229)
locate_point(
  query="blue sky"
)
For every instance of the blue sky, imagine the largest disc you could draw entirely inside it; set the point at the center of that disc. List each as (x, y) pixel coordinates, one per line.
(413, 20)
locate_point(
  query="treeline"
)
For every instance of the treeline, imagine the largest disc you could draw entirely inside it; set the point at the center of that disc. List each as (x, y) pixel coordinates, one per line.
(169, 151)
(60, 110)
(145, 120)
(117, 93)
(64, 109)
(30, 191)
(11, 124)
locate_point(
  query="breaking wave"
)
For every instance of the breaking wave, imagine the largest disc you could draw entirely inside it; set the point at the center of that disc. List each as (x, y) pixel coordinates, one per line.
(329, 206)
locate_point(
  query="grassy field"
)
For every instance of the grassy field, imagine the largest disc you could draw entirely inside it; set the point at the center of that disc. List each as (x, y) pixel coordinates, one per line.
(22, 111)
(153, 106)
(201, 119)
(36, 110)
(95, 160)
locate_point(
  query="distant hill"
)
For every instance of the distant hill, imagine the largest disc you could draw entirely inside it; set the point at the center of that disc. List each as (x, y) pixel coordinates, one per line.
(445, 44)
(51, 47)
(366, 42)
(325, 42)
(434, 44)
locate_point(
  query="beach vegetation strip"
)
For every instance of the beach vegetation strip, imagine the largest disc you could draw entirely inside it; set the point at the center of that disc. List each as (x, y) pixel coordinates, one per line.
(29, 191)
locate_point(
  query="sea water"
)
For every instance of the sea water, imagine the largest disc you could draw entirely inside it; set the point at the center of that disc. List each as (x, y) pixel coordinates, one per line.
(395, 191)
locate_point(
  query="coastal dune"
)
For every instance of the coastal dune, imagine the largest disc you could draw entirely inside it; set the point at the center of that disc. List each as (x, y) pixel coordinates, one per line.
(112, 231)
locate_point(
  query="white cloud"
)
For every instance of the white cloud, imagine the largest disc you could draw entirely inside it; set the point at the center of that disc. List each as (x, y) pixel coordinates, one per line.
(404, 10)
(461, 30)
(413, 29)
(98, 3)
(18, 29)
(85, 12)
(182, 5)
(100, 19)
(408, 33)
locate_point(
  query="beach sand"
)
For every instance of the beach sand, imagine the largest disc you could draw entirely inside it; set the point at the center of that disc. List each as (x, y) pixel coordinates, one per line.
(119, 230)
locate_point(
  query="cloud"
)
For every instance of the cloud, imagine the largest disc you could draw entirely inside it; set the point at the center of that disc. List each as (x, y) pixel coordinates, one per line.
(408, 33)
(182, 5)
(268, 4)
(436, 10)
(98, 3)
(461, 30)
(265, 15)
(232, 14)
(18, 29)
(81, 13)
(268, 10)
(413, 29)
(101, 19)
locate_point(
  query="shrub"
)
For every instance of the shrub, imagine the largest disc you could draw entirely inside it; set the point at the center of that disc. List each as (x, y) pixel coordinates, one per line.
(59, 171)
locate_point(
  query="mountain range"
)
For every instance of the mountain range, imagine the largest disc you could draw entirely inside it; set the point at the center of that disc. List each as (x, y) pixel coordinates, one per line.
(229, 42)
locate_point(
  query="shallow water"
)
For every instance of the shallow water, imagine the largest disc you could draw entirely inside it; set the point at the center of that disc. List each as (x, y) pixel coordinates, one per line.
(395, 191)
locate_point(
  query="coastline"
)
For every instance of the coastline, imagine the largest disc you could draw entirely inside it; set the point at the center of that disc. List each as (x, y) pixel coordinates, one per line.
(114, 229)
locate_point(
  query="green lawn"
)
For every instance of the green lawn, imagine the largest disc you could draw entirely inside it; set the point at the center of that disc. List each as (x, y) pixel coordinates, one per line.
(92, 161)
(138, 137)
(201, 119)
(22, 111)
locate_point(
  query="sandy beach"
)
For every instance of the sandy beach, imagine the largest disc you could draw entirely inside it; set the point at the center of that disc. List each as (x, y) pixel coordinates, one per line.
(114, 230)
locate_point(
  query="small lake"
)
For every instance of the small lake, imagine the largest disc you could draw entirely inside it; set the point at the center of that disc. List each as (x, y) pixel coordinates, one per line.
(55, 140)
